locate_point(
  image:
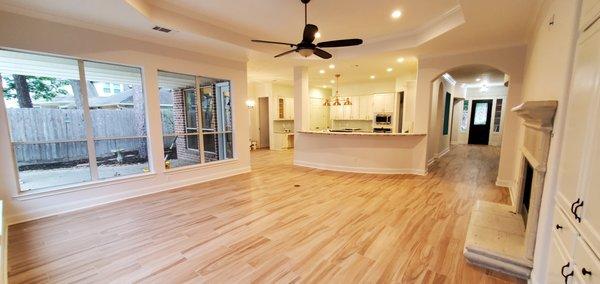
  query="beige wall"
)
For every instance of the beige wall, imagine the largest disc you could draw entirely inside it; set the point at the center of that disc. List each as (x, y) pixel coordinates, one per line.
(509, 60)
(547, 77)
(437, 143)
(26, 33)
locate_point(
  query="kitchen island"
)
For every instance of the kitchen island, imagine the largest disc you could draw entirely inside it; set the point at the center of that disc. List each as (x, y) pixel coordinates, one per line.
(362, 152)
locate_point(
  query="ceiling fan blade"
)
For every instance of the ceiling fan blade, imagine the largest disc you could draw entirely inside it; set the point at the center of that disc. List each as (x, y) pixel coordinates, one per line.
(285, 53)
(309, 33)
(273, 42)
(322, 53)
(340, 43)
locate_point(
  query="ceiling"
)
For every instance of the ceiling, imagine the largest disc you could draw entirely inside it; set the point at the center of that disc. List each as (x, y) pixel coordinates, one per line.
(470, 74)
(223, 28)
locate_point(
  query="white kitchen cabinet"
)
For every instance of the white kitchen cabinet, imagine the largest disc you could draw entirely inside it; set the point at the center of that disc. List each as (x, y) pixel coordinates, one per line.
(288, 109)
(384, 103)
(283, 141)
(560, 266)
(365, 107)
(578, 182)
(355, 108)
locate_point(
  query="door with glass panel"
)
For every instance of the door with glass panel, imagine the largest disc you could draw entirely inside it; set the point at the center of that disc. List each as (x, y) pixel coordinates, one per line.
(479, 130)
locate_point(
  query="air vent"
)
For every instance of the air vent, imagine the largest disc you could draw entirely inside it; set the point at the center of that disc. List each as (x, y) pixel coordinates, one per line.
(161, 29)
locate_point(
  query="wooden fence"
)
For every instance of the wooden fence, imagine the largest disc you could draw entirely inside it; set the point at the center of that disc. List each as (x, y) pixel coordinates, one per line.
(44, 135)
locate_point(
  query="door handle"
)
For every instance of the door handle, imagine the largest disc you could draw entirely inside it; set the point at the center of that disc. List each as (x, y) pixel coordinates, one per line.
(558, 227)
(575, 212)
(573, 205)
(562, 272)
(585, 272)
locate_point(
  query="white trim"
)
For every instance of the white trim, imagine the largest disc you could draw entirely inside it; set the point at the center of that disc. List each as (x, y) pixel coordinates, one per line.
(87, 120)
(51, 191)
(444, 152)
(363, 170)
(107, 199)
(199, 166)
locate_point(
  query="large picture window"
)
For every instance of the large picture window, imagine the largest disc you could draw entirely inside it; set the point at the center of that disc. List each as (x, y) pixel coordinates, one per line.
(65, 132)
(183, 111)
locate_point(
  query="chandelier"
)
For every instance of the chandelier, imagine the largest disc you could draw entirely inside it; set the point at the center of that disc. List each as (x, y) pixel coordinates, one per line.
(337, 100)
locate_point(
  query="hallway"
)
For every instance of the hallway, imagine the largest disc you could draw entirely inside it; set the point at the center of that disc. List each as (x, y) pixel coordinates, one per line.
(278, 223)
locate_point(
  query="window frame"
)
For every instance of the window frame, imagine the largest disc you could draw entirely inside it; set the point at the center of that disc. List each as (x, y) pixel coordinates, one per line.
(89, 134)
(201, 131)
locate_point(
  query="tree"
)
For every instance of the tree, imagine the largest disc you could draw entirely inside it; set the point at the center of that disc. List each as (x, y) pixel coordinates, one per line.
(22, 87)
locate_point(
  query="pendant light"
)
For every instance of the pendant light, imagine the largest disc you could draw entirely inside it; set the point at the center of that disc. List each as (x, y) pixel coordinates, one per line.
(337, 97)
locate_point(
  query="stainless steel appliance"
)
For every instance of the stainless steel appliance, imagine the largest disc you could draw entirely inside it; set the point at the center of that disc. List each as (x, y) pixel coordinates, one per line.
(382, 130)
(383, 119)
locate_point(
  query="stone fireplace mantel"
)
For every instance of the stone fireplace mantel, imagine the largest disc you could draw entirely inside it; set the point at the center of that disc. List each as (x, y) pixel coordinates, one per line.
(502, 237)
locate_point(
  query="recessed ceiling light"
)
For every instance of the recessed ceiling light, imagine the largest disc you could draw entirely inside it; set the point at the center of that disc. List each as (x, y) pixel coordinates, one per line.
(332, 81)
(331, 66)
(396, 14)
(400, 59)
(322, 71)
(478, 79)
(325, 86)
(372, 77)
(317, 35)
(389, 69)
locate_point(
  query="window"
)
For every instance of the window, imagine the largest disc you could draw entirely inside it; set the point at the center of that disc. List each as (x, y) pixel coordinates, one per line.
(481, 112)
(498, 115)
(447, 113)
(118, 120)
(61, 130)
(106, 88)
(464, 121)
(191, 136)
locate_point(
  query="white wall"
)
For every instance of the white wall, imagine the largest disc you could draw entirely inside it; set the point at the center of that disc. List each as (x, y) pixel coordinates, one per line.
(494, 92)
(437, 143)
(31, 34)
(547, 77)
(509, 60)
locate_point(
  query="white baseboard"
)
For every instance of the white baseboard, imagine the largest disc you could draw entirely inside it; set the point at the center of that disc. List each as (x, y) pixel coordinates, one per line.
(107, 199)
(444, 152)
(363, 170)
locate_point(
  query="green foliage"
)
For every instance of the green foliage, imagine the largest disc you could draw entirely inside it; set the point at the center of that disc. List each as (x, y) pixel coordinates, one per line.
(45, 88)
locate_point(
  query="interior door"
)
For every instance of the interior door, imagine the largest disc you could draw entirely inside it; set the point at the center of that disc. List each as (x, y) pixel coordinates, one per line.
(481, 113)
(263, 122)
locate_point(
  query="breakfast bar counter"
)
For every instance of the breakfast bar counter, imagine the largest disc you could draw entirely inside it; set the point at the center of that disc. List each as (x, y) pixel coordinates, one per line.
(362, 152)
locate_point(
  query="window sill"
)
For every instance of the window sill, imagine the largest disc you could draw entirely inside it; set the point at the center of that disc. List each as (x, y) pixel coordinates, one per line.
(44, 192)
(200, 166)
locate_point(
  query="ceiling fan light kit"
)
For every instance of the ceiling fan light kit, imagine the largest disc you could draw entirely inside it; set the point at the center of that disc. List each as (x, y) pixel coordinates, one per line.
(306, 47)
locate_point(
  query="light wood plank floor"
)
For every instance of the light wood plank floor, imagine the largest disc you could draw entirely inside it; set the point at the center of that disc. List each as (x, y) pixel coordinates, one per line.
(279, 223)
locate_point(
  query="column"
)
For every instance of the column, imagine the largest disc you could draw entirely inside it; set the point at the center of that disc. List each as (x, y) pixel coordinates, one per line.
(301, 99)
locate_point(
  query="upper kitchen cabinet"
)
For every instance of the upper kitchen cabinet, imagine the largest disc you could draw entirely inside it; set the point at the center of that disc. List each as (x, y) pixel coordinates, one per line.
(384, 103)
(361, 109)
(285, 107)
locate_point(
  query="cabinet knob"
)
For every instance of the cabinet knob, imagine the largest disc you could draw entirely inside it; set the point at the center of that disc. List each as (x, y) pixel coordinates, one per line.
(585, 272)
(558, 227)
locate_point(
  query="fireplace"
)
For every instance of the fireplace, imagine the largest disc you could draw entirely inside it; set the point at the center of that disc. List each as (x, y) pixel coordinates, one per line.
(527, 181)
(502, 237)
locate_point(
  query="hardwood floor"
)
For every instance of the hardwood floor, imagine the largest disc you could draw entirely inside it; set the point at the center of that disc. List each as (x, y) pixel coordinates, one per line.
(279, 223)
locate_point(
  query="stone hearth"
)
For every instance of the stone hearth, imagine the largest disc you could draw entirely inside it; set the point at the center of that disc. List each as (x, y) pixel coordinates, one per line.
(502, 237)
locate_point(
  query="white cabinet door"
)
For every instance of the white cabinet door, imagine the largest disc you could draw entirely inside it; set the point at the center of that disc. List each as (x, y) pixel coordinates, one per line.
(378, 103)
(390, 102)
(587, 265)
(590, 210)
(580, 118)
(346, 111)
(355, 108)
(559, 265)
(288, 108)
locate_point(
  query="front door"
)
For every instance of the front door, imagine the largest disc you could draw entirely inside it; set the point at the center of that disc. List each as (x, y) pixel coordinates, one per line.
(479, 130)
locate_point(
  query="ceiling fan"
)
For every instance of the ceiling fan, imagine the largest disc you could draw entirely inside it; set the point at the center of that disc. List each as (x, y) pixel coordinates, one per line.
(306, 47)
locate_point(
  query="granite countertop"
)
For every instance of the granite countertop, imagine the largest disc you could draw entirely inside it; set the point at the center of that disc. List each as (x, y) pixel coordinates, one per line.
(361, 133)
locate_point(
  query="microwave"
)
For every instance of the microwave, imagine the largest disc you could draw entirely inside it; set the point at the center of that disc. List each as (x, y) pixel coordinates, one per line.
(383, 119)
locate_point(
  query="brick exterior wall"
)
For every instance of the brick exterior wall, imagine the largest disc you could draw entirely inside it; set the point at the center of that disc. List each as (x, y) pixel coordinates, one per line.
(185, 155)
